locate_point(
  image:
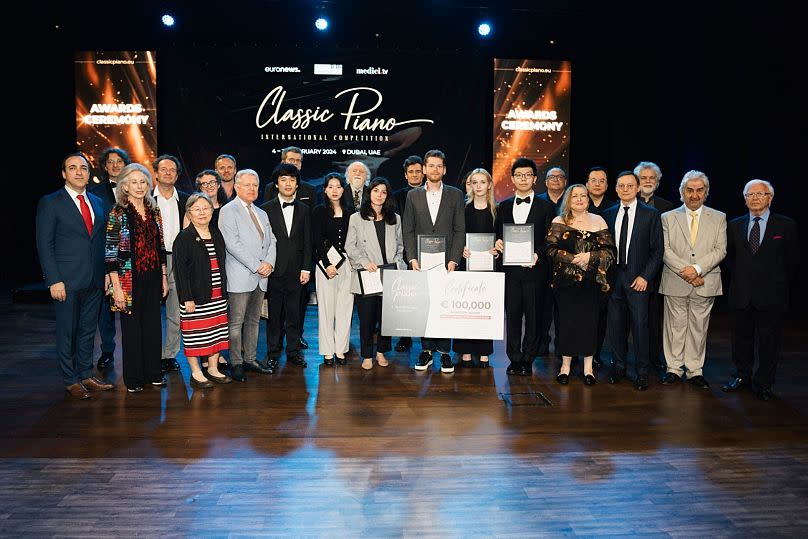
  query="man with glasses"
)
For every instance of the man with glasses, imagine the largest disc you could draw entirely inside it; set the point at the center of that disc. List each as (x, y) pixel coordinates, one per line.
(763, 253)
(172, 210)
(597, 183)
(556, 181)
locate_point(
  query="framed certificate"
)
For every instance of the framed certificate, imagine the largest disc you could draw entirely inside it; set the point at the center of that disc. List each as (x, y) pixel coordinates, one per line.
(334, 257)
(371, 282)
(431, 251)
(517, 243)
(479, 245)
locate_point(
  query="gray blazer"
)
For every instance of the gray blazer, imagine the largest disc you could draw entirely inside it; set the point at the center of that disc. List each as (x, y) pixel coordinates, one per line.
(450, 222)
(245, 250)
(709, 250)
(362, 246)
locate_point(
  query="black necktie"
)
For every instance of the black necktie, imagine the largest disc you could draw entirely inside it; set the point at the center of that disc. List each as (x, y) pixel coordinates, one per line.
(285, 204)
(623, 237)
(754, 236)
(520, 200)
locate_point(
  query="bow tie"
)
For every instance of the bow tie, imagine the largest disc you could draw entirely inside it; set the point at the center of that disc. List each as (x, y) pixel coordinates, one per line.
(520, 200)
(285, 204)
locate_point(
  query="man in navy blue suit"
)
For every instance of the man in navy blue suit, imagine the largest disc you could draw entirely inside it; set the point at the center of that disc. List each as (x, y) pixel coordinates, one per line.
(70, 232)
(637, 228)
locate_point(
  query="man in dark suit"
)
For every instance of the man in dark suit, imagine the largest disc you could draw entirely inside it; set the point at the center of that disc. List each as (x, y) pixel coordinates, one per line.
(70, 234)
(358, 176)
(597, 183)
(556, 182)
(638, 231)
(414, 175)
(111, 161)
(524, 286)
(436, 210)
(650, 175)
(763, 253)
(291, 223)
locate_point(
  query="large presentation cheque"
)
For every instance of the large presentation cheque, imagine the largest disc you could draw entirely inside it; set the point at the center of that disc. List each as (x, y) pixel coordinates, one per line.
(457, 304)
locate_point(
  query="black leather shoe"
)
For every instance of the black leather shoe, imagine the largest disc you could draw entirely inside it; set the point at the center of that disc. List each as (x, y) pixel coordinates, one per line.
(296, 359)
(404, 344)
(699, 381)
(303, 344)
(328, 361)
(514, 368)
(106, 360)
(161, 382)
(170, 364)
(590, 380)
(271, 362)
(221, 379)
(641, 383)
(765, 395)
(616, 375)
(342, 360)
(563, 379)
(526, 368)
(670, 378)
(596, 363)
(237, 373)
(254, 366)
(735, 384)
(200, 385)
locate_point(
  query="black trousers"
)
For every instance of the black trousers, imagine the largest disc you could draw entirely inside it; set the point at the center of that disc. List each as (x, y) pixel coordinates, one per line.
(524, 300)
(142, 332)
(283, 293)
(370, 318)
(745, 325)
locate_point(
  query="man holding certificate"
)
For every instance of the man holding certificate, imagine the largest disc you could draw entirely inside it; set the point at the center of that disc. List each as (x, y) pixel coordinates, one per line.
(525, 281)
(435, 210)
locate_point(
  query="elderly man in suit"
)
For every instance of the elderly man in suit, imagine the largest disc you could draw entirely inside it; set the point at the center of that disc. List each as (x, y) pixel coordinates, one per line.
(695, 239)
(358, 176)
(638, 231)
(763, 260)
(436, 209)
(70, 226)
(251, 253)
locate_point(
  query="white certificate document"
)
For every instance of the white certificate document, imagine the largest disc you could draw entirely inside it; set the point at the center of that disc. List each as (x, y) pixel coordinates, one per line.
(480, 261)
(334, 256)
(522, 250)
(432, 260)
(371, 282)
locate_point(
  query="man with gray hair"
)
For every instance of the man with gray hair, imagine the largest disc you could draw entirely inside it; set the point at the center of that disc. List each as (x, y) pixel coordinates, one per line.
(358, 176)
(763, 253)
(695, 239)
(251, 253)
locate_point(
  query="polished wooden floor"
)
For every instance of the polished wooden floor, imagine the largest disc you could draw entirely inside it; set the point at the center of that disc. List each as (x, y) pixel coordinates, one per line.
(342, 452)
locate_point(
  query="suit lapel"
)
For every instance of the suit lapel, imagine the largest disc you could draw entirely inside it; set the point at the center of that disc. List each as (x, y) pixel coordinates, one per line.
(100, 223)
(73, 212)
(681, 220)
(295, 217)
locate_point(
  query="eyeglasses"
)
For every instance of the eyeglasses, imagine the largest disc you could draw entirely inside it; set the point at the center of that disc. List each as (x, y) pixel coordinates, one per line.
(211, 183)
(166, 169)
(202, 209)
(556, 177)
(524, 176)
(756, 195)
(596, 181)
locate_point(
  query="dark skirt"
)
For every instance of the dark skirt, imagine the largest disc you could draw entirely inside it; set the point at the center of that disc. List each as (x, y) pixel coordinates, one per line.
(577, 319)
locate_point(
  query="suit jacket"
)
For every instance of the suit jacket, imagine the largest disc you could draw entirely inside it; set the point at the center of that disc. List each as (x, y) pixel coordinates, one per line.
(708, 252)
(305, 193)
(105, 192)
(661, 204)
(245, 249)
(763, 279)
(66, 251)
(401, 198)
(450, 221)
(362, 246)
(294, 249)
(605, 204)
(347, 196)
(541, 215)
(192, 265)
(646, 246)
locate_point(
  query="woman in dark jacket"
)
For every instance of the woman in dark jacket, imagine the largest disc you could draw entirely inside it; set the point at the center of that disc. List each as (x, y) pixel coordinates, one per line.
(199, 256)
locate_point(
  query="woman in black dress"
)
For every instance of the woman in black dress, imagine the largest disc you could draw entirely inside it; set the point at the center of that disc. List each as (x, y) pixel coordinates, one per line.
(481, 212)
(582, 250)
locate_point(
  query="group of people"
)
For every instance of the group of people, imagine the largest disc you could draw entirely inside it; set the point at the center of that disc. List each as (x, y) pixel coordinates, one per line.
(637, 265)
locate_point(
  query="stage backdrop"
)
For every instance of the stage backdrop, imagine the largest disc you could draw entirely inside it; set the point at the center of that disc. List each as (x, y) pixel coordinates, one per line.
(338, 106)
(116, 103)
(531, 117)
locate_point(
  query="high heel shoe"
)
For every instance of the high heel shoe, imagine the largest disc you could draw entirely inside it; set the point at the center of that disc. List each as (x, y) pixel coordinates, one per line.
(590, 380)
(328, 360)
(563, 378)
(342, 360)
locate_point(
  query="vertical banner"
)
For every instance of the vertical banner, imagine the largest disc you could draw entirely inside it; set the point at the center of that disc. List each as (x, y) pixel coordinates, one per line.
(116, 103)
(531, 117)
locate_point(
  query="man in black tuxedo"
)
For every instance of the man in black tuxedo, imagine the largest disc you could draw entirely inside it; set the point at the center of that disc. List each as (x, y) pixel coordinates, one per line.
(436, 209)
(650, 175)
(358, 176)
(638, 231)
(524, 286)
(291, 224)
(70, 234)
(414, 175)
(763, 253)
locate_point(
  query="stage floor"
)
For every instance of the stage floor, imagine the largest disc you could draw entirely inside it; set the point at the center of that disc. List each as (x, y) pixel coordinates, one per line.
(343, 452)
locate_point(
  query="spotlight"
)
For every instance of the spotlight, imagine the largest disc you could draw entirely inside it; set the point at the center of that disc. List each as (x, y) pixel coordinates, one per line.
(167, 19)
(484, 29)
(321, 24)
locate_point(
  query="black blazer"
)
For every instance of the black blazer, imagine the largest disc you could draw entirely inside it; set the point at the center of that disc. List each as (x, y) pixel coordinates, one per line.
(646, 247)
(762, 279)
(347, 196)
(326, 235)
(659, 203)
(401, 198)
(294, 250)
(541, 215)
(104, 191)
(192, 265)
(305, 193)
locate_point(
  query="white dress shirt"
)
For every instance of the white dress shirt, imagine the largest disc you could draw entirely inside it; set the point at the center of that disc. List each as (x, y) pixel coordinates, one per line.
(618, 225)
(521, 211)
(170, 213)
(433, 201)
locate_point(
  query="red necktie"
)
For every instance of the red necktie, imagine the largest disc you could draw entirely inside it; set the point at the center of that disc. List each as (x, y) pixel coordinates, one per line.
(85, 214)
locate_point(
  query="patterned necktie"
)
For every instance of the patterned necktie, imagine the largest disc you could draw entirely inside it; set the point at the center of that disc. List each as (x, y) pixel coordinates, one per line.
(85, 214)
(255, 222)
(694, 227)
(623, 237)
(356, 199)
(754, 236)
